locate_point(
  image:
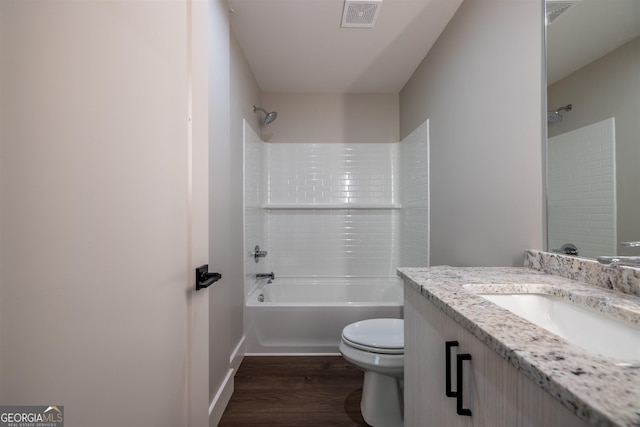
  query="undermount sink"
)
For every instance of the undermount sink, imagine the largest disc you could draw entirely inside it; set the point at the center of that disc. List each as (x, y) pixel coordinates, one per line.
(584, 327)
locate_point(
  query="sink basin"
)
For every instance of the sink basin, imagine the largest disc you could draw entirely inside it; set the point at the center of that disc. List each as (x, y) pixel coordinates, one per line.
(584, 327)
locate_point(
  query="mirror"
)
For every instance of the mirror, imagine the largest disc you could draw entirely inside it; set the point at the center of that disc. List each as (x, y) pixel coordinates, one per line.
(593, 151)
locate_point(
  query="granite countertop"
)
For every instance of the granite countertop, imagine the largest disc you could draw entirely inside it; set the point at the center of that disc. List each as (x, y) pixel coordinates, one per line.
(600, 390)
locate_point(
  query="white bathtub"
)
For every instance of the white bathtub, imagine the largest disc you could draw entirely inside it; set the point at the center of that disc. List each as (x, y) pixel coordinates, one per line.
(307, 315)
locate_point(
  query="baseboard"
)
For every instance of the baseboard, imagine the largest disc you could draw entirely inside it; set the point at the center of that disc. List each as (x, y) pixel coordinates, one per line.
(221, 400)
(238, 354)
(292, 354)
(222, 397)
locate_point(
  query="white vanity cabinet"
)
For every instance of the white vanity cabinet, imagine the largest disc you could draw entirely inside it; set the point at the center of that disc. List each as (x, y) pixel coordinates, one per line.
(494, 392)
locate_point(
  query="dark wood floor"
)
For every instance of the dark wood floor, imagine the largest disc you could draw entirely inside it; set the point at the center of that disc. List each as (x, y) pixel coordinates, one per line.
(295, 392)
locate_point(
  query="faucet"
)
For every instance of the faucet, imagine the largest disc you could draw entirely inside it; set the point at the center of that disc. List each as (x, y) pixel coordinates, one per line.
(615, 261)
(266, 275)
(630, 244)
(567, 249)
(257, 253)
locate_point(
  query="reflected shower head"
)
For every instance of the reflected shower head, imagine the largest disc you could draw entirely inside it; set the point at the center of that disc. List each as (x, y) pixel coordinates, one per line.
(554, 116)
(269, 116)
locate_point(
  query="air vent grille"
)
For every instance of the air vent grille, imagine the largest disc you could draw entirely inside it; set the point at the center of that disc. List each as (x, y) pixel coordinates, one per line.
(360, 14)
(555, 8)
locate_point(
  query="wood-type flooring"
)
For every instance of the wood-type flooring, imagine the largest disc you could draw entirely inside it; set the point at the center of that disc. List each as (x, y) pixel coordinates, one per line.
(292, 391)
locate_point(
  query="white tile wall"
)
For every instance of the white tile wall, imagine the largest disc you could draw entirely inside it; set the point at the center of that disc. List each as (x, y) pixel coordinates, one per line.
(360, 242)
(414, 170)
(351, 238)
(253, 213)
(581, 193)
(331, 173)
(332, 242)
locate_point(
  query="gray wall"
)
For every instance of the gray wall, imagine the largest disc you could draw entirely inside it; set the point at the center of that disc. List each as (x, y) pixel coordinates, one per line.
(481, 88)
(609, 87)
(332, 117)
(232, 94)
(244, 94)
(220, 346)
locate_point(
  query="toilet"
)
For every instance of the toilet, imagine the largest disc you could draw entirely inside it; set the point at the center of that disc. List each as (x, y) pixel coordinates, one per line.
(377, 347)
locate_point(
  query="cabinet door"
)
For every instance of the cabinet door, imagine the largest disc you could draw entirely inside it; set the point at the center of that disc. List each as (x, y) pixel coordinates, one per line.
(426, 403)
(495, 392)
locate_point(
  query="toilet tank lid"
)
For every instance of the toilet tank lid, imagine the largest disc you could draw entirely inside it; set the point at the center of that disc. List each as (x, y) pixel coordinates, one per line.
(377, 333)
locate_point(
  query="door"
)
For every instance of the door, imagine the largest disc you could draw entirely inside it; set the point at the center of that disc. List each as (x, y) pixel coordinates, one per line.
(98, 228)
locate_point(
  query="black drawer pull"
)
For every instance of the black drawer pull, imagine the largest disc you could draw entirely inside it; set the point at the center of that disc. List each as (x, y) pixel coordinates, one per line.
(459, 404)
(447, 352)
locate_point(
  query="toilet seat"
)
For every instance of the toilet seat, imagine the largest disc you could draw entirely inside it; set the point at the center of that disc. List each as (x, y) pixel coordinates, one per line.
(377, 347)
(377, 350)
(382, 336)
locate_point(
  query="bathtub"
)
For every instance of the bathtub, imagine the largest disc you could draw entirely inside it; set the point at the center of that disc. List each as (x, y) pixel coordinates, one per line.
(307, 315)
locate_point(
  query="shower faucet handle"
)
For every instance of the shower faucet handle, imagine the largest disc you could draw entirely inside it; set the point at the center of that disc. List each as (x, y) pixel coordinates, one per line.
(257, 253)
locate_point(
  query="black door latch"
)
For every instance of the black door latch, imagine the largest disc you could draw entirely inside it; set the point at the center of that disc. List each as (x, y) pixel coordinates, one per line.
(204, 279)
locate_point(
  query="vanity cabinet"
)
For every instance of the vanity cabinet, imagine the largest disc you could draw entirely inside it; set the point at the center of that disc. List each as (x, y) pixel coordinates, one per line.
(494, 392)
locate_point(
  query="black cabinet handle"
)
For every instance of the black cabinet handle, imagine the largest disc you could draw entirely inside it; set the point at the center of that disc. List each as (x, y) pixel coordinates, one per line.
(447, 352)
(459, 404)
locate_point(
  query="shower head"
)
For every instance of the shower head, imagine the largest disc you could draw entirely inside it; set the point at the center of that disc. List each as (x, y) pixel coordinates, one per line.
(269, 116)
(554, 116)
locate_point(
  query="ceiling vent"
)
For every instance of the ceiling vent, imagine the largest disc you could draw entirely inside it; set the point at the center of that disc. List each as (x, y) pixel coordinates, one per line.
(555, 8)
(360, 14)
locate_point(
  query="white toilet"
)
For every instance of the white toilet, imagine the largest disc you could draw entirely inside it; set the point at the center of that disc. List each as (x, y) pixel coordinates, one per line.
(377, 347)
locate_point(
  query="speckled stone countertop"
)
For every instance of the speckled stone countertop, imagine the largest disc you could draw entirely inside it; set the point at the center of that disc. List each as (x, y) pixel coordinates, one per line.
(602, 391)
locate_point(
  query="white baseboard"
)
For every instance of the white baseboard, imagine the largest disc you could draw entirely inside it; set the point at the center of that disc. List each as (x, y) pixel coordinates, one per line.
(293, 354)
(238, 354)
(222, 397)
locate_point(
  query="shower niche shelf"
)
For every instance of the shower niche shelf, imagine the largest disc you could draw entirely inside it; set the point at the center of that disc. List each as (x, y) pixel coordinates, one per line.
(336, 206)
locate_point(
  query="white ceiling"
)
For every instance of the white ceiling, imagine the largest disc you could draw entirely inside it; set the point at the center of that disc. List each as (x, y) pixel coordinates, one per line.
(588, 30)
(298, 45)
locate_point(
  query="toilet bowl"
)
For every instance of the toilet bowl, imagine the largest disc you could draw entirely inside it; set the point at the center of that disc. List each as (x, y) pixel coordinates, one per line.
(377, 347)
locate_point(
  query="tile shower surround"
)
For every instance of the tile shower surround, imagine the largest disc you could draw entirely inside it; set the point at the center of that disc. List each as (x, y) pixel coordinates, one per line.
(300, 173)
(335, 209)
(582, 189)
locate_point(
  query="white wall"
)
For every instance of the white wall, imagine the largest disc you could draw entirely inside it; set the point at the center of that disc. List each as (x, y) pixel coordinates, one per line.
(481, 89)
(329, 117)
(99, 227)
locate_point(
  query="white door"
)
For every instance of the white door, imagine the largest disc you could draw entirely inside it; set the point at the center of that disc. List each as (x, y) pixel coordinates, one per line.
(97, 222)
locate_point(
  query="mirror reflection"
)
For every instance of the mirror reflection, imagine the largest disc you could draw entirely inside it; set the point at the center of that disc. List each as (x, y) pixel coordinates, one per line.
(593, 102)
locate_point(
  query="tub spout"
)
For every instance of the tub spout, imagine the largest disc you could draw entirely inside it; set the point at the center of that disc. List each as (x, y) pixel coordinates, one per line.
(266, 275)
(615, 261)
